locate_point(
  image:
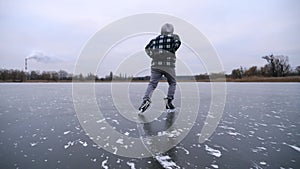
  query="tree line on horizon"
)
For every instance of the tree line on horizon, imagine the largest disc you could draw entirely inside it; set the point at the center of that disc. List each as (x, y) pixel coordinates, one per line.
(277, 66)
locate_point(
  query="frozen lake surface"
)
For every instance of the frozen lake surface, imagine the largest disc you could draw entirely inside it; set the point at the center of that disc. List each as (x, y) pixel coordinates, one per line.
(259, 128)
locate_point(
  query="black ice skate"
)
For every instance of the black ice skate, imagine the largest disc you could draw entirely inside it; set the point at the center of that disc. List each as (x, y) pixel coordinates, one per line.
(145, 105)
(169, 106)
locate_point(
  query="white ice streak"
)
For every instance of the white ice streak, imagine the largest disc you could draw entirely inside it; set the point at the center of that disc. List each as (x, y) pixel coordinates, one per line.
(263, 163)
(260, 138)
(71, 143)
(212, 151)
(166, 162)
(131, 165)
(100, 121)
(115, 150)
(215, 166)
(233, 117)
(227, 128)
(104, 164)
(67, 132)
(33, 144)
(256, 166)
(234, 133)
(186, 151)
(115, 121)
(120, 141)
(279, 126)
(170, 134)
(292, 146)
(84, 144)
(258, 149)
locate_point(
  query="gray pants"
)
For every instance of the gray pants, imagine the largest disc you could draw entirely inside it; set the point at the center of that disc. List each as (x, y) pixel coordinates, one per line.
(156, 75)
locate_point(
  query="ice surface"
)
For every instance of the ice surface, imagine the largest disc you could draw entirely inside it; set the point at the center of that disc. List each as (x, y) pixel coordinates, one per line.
(40, 128)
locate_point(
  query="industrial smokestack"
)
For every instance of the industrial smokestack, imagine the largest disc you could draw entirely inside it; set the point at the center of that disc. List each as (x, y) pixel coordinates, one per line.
(26, 64)
(41, 57)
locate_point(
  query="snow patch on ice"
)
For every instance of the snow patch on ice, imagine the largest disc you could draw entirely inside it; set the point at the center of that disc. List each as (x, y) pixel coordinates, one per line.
(33, 144)
(258, 149)
(227, 127)
(292, 146)
(116, 121)
(100, 121)
(104, 164)
(186, 151)
(67, 132)
(71, 143)
(120, 141)
(212, 151)
(215, 166)
(234, 133)
(166, 162)
(263, 163)
(83, 143)
(170, 134)
(131, 165)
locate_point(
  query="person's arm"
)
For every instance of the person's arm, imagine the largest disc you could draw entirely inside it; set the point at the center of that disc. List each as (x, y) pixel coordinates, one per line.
(148, 48)
(177, 42)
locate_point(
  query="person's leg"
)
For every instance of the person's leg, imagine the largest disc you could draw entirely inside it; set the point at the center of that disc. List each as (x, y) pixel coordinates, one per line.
(155, 77)
(171, 78)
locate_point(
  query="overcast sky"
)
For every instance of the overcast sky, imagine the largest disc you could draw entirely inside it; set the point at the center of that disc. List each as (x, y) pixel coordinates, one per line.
(240, 31)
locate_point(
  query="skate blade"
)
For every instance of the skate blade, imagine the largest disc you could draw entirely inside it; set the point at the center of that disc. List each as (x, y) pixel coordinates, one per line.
(140, 113)
(171, 110)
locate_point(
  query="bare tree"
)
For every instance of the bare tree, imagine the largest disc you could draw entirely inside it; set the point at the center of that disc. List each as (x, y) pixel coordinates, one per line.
(236, 74)
(252, 71)
(278, 65)
(298, 70)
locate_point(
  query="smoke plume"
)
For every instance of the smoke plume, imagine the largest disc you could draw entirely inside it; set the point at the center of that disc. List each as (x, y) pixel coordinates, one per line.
(40, 56)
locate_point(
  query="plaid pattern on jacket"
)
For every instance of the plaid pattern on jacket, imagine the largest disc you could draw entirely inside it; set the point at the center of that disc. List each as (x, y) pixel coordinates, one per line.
(162, 50)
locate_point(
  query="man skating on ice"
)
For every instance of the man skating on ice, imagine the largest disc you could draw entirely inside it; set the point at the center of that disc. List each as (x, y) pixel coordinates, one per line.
(162, 51)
